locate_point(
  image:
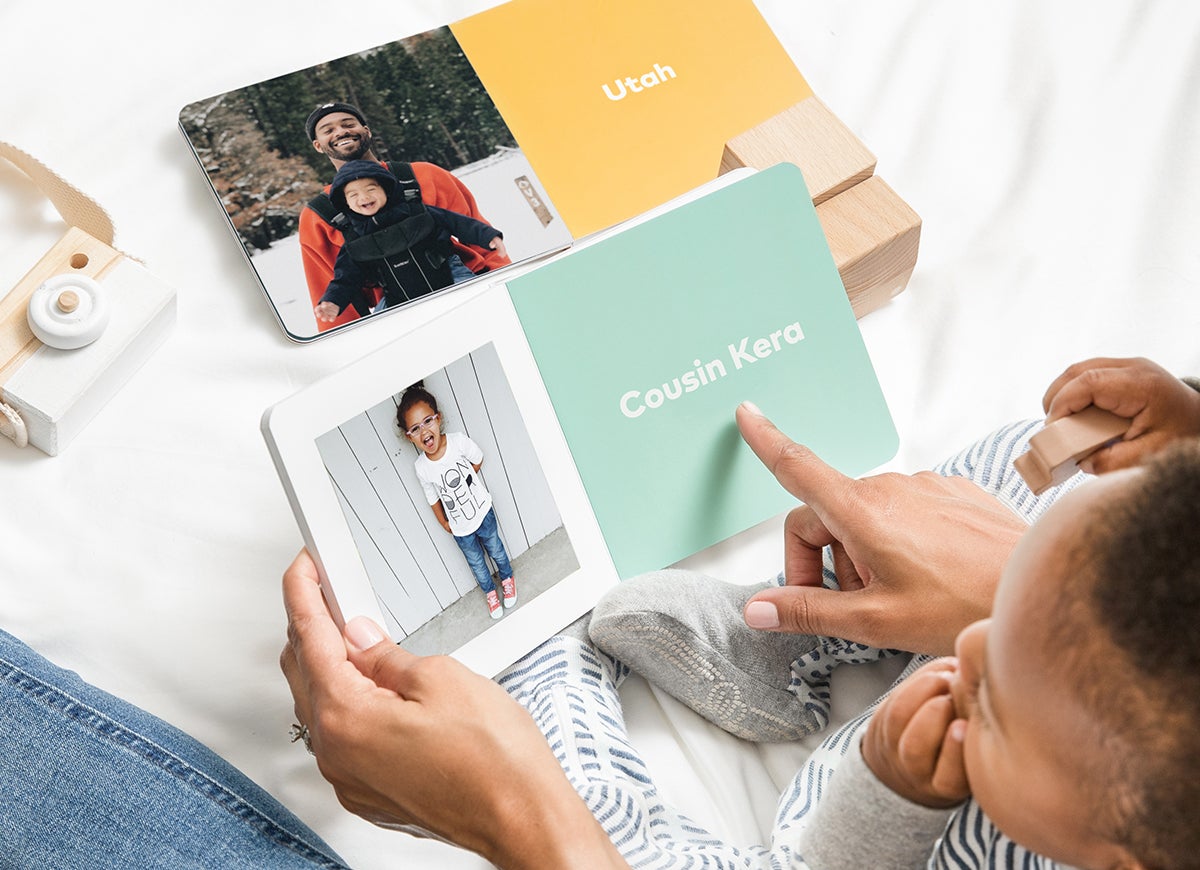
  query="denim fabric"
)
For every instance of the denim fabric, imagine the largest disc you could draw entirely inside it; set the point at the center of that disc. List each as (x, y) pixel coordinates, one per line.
(88, 780)
(486, 537)
(459, 270)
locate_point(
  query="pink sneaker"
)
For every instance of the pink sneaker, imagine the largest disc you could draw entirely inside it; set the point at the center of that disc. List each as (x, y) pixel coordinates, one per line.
(493, 601)
(510, 591)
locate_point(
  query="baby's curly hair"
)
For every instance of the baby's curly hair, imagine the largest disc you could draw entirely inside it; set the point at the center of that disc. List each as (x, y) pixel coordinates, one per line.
(1128, 631)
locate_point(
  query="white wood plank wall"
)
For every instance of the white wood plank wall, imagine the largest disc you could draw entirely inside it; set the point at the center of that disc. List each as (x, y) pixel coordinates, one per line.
(416, 569)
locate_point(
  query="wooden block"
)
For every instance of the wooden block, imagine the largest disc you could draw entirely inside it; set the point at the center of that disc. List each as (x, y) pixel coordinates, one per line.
(873, 236)
(1055, 452)
(831, 158)
(871, 231)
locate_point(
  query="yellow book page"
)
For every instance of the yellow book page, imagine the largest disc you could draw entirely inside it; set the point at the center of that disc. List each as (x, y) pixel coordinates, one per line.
(623, 105)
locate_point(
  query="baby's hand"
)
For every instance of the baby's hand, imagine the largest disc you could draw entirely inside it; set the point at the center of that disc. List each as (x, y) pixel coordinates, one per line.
(914, 742)
(326, 311)
(1162, 407)
(497, 245)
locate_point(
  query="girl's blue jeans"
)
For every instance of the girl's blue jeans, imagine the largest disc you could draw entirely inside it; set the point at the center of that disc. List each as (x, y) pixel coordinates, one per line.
(486, 537)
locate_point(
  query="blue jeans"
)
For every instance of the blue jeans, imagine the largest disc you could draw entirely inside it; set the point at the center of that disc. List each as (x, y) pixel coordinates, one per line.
(90, 780)
(486, 537)
(459, 270)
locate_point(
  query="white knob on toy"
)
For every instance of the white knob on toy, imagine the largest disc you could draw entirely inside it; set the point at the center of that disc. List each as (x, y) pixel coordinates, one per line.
(68, 311)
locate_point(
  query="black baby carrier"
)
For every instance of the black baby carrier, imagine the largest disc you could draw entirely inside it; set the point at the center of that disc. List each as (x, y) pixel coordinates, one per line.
(410, 258)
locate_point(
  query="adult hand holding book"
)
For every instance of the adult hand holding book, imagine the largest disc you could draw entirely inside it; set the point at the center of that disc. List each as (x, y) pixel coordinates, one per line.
(382, 721)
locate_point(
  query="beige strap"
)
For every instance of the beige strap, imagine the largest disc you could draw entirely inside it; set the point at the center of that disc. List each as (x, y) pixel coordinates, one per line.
(76, 207)
(12, 426)
(80, 211)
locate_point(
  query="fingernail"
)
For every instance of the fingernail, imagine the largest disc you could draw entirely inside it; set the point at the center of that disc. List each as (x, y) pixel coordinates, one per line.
(752, 408)
(958, 730)
(363, 633)
(761, 614)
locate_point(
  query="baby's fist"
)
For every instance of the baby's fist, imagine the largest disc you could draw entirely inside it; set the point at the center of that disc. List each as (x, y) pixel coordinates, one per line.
(914, 742)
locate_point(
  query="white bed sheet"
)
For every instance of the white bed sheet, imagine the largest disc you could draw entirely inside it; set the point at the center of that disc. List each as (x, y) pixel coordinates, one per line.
(1049, 148)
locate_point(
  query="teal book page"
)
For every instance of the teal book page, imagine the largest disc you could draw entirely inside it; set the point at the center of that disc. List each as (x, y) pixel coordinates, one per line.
(649, 339)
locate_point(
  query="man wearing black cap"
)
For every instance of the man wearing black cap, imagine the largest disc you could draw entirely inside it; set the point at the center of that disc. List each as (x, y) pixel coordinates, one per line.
(343, 124)
(339, 131)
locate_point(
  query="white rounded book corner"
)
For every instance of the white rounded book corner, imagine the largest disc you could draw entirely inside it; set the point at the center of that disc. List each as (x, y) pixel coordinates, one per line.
(68, 311)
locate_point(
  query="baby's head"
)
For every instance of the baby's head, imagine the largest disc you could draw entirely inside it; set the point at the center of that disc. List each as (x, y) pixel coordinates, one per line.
(418, 418)
(361, 186)
(1082, 692)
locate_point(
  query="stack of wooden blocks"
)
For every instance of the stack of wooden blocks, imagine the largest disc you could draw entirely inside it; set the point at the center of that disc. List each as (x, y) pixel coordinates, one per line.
(872, 232)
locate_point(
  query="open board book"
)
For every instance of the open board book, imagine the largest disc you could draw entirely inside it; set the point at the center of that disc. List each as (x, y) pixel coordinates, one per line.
(558, 120)
(600, 388)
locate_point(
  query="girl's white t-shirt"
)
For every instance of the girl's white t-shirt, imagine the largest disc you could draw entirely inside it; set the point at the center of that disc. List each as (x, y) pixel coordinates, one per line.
(454, 482)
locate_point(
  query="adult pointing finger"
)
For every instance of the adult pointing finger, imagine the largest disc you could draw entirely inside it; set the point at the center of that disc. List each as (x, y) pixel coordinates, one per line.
(825, 491)
(917, 557)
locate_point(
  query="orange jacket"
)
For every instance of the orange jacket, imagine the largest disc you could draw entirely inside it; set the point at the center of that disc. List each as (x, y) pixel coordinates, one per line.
(320, 242)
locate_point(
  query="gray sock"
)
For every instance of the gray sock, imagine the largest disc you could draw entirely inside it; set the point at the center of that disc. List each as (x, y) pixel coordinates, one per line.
(684, 633)
(578, 630)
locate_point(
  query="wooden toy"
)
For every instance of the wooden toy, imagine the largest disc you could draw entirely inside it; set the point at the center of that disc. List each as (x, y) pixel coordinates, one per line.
(872, 232)
(831, 157)
(80, 322)
(873, 236)
(1055, 452)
